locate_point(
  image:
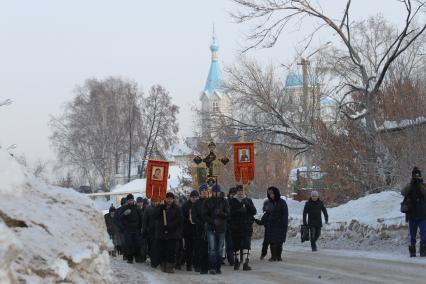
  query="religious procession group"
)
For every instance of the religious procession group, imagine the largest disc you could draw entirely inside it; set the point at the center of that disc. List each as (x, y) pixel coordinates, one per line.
(205, 230)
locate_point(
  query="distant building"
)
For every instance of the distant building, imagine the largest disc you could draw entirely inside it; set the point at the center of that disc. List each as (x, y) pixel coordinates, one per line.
(214, 99)
(325, 108)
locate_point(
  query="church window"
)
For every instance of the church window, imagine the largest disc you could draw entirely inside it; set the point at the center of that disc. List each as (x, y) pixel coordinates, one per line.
(215, 106)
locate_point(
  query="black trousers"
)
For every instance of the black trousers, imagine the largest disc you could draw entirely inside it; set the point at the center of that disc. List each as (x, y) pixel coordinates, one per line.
(276, 250)
(190, 251)
(132, 241)
(155, 251)
(265, 246)
(201, 259)
(315, 233)
(168, 250)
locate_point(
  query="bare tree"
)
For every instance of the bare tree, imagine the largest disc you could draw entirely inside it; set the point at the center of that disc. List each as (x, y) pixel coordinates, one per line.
(92, 134)
(160, 126)
(361, 59)
(261, 107)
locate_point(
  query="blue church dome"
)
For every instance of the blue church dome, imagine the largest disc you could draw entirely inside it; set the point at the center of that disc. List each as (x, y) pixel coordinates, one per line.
(328, 102)
(214, 47)
(294, 80)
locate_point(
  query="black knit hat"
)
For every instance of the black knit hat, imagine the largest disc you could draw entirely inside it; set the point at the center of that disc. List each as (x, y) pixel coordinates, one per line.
(170, 194)
(194, 193)
(416, 173)
(130, 197)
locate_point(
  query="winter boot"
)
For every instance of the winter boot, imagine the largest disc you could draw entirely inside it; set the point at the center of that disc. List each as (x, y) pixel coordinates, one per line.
(163, 267)
(218, 271)
(212, 271)
(170, 268)
(246, 266)
(423, 250)
(188, 267)
(412, 250)
(273, 253)
(236, 265)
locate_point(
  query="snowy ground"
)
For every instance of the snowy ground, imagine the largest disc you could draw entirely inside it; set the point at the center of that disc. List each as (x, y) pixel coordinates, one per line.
(300, 265)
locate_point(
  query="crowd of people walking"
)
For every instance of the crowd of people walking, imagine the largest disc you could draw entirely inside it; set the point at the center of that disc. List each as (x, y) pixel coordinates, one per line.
(201, 232)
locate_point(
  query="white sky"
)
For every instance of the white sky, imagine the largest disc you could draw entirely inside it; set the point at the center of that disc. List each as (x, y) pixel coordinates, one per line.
(48, 47)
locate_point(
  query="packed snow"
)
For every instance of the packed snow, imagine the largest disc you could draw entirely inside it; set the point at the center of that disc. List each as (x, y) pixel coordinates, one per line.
(48, 234)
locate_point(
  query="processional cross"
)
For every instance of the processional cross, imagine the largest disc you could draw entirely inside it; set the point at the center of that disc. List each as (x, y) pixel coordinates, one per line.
(212, 163)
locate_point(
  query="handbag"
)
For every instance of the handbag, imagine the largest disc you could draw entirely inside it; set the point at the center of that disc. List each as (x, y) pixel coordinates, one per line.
(304, 233)
(406, 205)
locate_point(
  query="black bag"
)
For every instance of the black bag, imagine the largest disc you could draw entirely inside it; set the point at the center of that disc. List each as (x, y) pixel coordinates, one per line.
(304, 233)
(406, 205)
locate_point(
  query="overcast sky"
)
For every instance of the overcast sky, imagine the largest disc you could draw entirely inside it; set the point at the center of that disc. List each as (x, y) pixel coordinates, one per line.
(48, 47)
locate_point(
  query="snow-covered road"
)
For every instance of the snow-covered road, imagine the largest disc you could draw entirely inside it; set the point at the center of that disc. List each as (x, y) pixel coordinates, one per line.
(299, 266)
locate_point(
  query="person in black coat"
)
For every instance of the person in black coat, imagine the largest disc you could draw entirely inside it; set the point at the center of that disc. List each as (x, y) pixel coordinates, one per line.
(130, 218)
(189, 229)
(228, 236)
(415, 194)
(168, 231)
(119, 233)
(215, 214)
(313, 208)
(241, 224)
(201, 263)
(148, 233)
(275, 221)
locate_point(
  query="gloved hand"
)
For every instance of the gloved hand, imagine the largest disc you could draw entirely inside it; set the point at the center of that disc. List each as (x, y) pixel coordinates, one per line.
(127, 212)
(166, 229)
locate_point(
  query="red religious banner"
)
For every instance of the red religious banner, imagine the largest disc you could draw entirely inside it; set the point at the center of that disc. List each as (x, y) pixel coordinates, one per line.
(244, 162)
(156, 181)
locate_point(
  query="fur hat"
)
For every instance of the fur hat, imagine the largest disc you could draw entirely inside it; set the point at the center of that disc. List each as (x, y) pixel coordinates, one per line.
(130, 197)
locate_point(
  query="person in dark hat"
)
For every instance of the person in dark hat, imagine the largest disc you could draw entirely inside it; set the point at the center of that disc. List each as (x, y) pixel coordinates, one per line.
(189, 230)
(119, 233)
(130, 218)
(167, 231)
(228, 236)
(111, 228)
(215, 214)
(241, 224)
(148, 233)
(275, 221)
(415, 198)
(201, 263)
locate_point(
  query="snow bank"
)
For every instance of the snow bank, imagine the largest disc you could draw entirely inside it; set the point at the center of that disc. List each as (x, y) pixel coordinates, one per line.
(373, 220)
(48, 234)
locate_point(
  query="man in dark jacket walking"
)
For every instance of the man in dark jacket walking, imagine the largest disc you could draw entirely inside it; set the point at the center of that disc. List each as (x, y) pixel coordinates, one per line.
(148, 232)
(415, 194)
(201, 263)
(215, 213)
(241, 225)
(119, 233)
(167, 231)
(228, 236)
(275, 221)
(130, 218)
(189, 229)
(313, 208)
